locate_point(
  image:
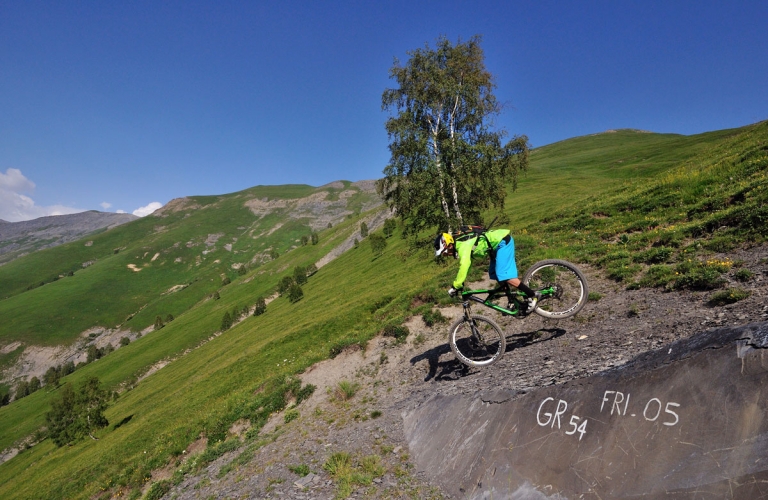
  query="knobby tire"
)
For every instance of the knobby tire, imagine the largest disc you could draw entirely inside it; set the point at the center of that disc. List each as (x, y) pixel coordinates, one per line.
(472, 351)
(573, 291)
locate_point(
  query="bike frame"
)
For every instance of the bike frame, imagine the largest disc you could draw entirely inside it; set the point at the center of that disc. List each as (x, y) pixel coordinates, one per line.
(495, 293)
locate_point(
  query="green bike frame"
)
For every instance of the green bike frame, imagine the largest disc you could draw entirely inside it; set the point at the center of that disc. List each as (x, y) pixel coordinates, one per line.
(517, 298)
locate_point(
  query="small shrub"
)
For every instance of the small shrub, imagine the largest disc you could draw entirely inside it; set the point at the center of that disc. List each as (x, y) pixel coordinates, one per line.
(658, 276)
(595, 296)
(339, 463)
(124, 341)
(728, 296)
(300, 470)
(285, 284)
(295, 293)
(261, 307)
(226, 281)
(698, 275)
(158, 490)
(346, 390)
(340, 345)
(743, 275)
(399, 332)
(363, 229)
(656, 255)
(291, 415)
(623, 271)
(371, 465)
(242, 270)
(720, 244)
(226, 321)
(159, 323)
(378, 244)
(431, 318)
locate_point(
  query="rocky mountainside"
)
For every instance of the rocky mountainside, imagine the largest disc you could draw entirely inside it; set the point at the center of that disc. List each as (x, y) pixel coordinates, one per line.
(20, 238)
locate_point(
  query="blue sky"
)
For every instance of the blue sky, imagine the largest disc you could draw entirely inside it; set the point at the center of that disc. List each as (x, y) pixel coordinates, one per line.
(117, 105)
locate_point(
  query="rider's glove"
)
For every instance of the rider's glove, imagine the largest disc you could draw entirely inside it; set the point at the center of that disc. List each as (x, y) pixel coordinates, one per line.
(453, 291)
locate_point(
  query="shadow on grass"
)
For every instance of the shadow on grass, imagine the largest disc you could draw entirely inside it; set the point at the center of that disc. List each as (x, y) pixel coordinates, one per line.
(122, 422)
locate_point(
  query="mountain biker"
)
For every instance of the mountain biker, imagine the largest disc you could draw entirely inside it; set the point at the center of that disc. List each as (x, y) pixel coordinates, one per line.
(502, 252)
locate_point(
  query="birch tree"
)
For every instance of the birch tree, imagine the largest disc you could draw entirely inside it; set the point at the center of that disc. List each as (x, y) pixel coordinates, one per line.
(447, 161)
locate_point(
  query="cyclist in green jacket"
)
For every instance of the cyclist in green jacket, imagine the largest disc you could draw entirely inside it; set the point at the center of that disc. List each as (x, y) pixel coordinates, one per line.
(501, 247)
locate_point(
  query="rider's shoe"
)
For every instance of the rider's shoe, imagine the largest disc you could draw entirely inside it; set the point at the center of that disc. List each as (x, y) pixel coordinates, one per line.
(532, 302)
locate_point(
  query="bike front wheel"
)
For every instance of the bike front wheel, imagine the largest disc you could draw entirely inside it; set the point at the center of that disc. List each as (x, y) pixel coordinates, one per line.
(477, 341)
(569, 290)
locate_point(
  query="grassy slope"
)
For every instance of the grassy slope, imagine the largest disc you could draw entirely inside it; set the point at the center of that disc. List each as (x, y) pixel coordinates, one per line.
(350, 299)
(165, 250)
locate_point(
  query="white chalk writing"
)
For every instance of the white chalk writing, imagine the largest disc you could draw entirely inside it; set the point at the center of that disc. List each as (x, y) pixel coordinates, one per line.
(550, 419)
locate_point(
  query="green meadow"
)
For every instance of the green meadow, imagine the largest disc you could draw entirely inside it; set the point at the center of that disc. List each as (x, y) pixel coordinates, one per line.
(639, 206)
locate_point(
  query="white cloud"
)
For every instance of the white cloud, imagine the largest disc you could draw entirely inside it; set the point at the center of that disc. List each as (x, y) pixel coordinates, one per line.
(144, 211)
(105, 205)
(14, 180)
(16, 206)
(120, 211)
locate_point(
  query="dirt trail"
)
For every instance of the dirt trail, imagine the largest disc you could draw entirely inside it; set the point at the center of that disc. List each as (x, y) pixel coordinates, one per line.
(394, 378)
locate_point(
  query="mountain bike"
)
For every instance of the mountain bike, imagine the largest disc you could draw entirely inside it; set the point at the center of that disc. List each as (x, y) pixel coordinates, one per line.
(478, 341)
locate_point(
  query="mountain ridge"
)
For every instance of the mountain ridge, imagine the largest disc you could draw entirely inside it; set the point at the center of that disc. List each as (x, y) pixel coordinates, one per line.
(21, 238)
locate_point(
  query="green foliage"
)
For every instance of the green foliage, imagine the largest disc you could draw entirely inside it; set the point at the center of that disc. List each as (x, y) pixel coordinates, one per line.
(378, 244)
(743, 274)
(226, 281)
(433, 317)
(698, 275)
(159, 322)
(447, 164)
(226, 321)
(295, 293)
(75, 415)
(300, 275)
(285, 284)
(304, 240)
(261, 307)
(346, 390)
(300, 470)
(728, 296)
(290, 415)
(389, 227)
(242, 270)
(399, 332)
(656, 255)
(658, 276)
(158, 489)
(363, 229)
(315, 238)
(124, 341)
(356, 243)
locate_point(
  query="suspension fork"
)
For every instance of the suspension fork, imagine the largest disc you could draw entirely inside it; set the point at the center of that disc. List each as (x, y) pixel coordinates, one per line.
(467, 310)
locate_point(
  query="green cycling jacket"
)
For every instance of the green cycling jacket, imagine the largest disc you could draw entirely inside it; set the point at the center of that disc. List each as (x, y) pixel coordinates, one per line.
(475, 247)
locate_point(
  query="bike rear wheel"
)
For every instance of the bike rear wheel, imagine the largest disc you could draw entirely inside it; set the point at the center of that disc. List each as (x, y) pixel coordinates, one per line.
(571, 290)
(477, 341)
